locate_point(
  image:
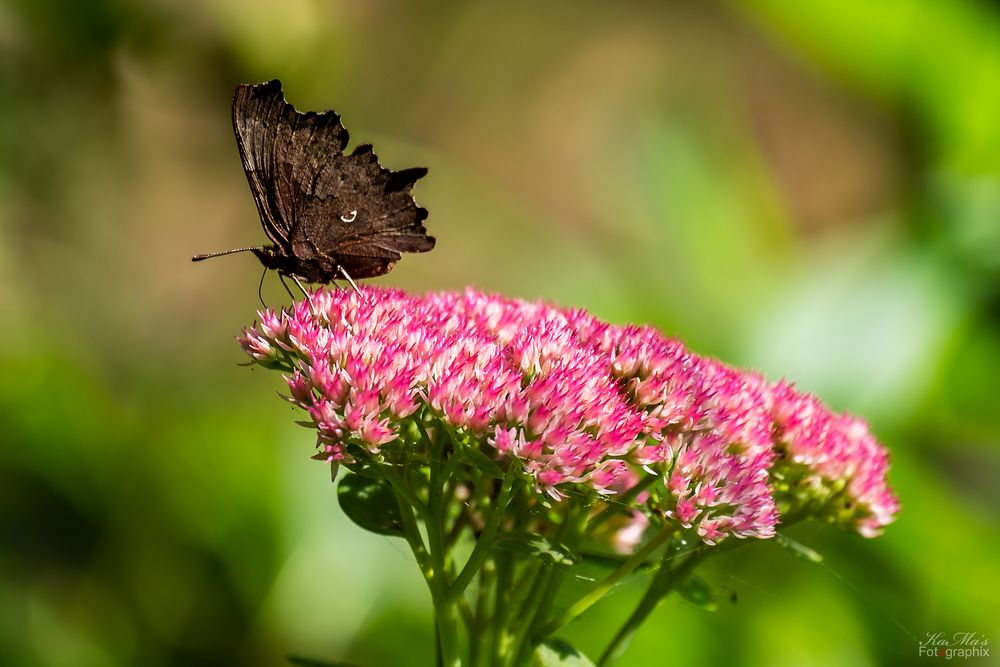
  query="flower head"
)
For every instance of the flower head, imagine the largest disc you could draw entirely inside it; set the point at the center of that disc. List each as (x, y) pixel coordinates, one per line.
(833, 456)
(575, 403)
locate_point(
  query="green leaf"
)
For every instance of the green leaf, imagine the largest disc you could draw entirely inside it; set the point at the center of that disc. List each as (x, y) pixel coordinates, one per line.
(364, 469)
(695, 590)
(370, 503)
(557, 653)
(535, 545)
(799, 549)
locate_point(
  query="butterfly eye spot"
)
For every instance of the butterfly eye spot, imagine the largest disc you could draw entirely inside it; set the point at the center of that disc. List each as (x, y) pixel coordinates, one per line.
(350, 217)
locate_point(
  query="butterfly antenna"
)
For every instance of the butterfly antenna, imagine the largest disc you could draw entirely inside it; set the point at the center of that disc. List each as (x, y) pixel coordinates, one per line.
(198, 258)
(348, 276)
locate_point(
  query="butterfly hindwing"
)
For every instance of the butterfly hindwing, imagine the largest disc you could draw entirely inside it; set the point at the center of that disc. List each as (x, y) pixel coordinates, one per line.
(354, 208)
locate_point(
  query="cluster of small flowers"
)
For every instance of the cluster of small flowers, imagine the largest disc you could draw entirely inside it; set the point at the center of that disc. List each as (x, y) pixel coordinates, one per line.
(575, 400)
(839, 453)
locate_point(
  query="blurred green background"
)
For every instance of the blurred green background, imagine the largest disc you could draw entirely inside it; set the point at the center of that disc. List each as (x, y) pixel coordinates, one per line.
(809, 189)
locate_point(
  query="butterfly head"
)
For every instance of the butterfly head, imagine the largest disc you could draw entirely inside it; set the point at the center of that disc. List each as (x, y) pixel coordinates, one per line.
(270, 257)
(274, 257)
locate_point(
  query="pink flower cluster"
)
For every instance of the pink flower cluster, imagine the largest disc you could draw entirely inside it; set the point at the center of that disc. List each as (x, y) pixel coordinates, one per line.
(835, 450)
(574, 400)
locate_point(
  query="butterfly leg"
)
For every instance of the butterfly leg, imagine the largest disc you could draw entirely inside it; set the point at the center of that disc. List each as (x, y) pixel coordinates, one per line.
(304, 291)
(348, 276)
(281, 277)
(260, 287)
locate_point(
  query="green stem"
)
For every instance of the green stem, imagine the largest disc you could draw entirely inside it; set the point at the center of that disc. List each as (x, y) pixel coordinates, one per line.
(446, 609)
(544, 590)
(434, 520)
(485, 542)
(504, 582)
(525, 619)
(411, 532)
(664, 581)
(480, 634)
(445, 613)
(401, 489)
(467, 615)
(609, 582)
(525, 582)
(446, 617)
(574, 534)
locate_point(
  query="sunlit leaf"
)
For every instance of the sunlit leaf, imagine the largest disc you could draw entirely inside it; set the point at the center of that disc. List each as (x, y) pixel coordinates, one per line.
(557, 653)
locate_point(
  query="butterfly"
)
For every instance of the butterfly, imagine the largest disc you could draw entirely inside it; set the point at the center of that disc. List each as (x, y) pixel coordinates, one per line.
(328, 214)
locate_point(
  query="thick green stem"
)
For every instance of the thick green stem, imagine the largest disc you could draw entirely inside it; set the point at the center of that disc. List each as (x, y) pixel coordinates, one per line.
(434, 522)
(525, 581)
(447, 619)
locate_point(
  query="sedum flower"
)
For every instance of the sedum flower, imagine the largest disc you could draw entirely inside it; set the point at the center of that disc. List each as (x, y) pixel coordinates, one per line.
(579, 405)
(836, 460)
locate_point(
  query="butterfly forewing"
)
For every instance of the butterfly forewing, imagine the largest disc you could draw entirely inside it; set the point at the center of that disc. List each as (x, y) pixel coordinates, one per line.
(257, 111)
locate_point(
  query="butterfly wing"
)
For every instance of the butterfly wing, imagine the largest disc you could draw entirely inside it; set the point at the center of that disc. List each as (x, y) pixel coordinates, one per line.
(325, 209)
(260, 117)
(362, 215)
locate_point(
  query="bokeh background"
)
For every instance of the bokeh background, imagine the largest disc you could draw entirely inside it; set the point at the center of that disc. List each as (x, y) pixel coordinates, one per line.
(808, 189)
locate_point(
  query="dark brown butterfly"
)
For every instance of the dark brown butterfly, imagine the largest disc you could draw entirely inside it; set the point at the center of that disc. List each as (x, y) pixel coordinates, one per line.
(328, 214)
